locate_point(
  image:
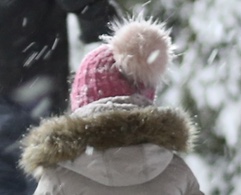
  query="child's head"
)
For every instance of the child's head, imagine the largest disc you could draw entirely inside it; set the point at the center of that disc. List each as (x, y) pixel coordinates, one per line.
(131, 62)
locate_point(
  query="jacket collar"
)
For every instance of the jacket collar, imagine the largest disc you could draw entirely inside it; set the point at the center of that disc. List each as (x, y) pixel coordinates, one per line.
(66, 137)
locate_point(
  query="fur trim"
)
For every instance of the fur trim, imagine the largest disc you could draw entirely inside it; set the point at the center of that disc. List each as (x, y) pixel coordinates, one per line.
(141, 48)
(65, 138)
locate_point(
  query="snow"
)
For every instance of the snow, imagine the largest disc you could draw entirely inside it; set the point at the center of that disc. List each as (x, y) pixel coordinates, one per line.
(85, 9)
(28, 47)
(24, 23)
(40, 54)
(89, 150)
(30, 59)
(208, 65)
(55, 43)
(153, 56)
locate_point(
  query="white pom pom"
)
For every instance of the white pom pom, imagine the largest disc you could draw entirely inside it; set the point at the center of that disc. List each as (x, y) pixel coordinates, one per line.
(142, 49)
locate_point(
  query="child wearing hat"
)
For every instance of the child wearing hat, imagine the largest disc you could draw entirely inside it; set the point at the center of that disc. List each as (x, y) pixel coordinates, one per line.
(116, 141)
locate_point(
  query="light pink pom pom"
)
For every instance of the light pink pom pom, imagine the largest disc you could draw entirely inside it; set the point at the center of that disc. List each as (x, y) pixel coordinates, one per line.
(142, 49)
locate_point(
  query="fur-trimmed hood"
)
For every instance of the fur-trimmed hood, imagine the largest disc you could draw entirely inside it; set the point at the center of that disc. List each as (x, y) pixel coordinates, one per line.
(65, 138)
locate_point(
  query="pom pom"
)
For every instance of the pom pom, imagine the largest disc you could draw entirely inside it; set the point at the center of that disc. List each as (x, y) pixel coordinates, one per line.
(141, 49)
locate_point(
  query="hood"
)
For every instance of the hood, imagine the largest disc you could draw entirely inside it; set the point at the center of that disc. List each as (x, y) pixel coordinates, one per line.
(106, 124)
(123, 166)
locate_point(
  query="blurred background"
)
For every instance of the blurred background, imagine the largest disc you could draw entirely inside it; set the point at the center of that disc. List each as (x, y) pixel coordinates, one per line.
(204, 79)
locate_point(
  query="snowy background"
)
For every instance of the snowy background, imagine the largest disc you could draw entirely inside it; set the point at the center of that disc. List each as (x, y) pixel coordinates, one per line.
(205, 79)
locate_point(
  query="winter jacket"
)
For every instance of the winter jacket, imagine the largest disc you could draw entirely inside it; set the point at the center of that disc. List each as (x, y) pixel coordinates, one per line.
(121, 145)
(34, 70)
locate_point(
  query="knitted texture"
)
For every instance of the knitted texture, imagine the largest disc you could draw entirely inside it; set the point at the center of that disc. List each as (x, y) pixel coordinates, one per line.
(98, 78)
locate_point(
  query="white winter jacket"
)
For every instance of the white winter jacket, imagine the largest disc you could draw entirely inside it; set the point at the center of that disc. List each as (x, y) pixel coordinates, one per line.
(114, 146)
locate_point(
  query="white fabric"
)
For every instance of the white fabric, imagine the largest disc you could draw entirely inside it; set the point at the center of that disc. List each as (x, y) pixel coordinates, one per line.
(112, 103)
(123, 166)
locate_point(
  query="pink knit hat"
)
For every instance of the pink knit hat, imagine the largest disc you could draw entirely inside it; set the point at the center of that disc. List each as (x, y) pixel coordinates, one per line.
(130, 63)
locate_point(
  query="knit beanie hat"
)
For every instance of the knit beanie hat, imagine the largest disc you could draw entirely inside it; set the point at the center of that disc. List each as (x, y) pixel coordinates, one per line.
(131, 62)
